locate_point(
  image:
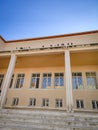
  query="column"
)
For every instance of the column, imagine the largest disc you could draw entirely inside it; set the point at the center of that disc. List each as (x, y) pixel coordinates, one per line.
(68, 75)
(8, 79)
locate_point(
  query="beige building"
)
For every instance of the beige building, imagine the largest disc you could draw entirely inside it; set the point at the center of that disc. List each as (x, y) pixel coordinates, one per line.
(53, 72)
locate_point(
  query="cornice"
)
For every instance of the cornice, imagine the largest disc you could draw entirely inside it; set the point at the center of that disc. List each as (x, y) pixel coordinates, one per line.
(50, 37)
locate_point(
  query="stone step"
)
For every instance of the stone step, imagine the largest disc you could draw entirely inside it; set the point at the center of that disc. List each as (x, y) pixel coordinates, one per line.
(41, 117)
(47, 120)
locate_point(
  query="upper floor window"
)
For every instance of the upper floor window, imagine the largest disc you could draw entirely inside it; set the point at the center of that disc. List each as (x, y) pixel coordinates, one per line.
(1, 79)
(79, 104)
(32, 102)
(77, 81)
(94, 104)
(15, 101)
(35, 81)
(11, 81)
(91, 80)
(20, 80)
(46, 80)
(45, 102)
(58, 103)
(59, 79)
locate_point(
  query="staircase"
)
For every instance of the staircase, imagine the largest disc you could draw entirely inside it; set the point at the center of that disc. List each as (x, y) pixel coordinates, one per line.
(15, 119)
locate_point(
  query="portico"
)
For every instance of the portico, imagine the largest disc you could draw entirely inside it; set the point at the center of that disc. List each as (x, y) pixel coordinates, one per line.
(57, 77)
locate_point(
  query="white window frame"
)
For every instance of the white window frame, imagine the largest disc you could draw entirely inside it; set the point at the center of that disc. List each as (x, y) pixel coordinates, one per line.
(1, 78)
(20, 78)
(58, 78)
(96, 87)
(80, 106)
(15, 101)
(32, 102)
(95, 102)
(45, 102)
(36, 77)
(77, 80)
(47, 79)
(59, 102)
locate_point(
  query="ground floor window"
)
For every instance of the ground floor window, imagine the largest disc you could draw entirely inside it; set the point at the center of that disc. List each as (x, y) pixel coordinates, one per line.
(94, 104)
(32, 102)
(45, 102)
(58, 103)
(91, 80)
(79, 103)
(15, 101)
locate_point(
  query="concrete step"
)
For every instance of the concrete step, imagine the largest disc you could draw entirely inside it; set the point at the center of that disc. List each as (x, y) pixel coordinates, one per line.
(47, 120)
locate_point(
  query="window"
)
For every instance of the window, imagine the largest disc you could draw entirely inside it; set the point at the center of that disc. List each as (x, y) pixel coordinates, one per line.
(15, 101)
(45, 102)
(91, 80)
(35, 81)
(1, 81)
(20, 80)
(46, 80)
(58, 103)
(59, 79)
(94, 104)
(32, 102)
(11, 81)
(79, 104)
(77, 81)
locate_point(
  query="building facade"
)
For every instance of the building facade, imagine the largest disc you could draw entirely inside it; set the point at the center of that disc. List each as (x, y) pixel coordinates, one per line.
(54, 72)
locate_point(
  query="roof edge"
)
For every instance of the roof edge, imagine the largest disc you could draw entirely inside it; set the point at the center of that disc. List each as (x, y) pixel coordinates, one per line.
(2, 39)
(49, 37)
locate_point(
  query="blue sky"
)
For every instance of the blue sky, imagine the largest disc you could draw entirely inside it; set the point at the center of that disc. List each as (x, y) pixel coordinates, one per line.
(34, 18)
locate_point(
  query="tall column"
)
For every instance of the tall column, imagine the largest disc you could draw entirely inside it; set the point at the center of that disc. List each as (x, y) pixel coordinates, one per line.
(7, 79)
(69, 95)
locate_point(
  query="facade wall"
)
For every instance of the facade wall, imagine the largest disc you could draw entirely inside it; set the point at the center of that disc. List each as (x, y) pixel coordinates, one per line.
(83, 59)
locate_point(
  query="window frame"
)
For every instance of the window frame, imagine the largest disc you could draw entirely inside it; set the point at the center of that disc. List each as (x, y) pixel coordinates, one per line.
(20, 80)
(1, 82)
(77, 76)
(95, 103)
(36, 77)
(90, 72)
(59, 79)
(32, 102)
(45, 102)
(1, 79)
(15, 101)
(47, 77)
(80, 105)
(59, 102)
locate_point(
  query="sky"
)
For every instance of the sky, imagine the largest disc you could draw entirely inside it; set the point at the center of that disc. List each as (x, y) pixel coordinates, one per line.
(20, 19)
